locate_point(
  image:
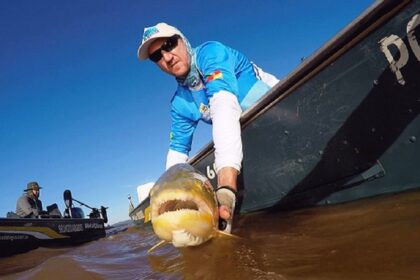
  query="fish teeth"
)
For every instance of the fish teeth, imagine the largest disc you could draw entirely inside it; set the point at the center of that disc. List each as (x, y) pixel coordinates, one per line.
(182, 238)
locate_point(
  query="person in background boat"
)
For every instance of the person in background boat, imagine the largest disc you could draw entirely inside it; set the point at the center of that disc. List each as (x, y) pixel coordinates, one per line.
(29, 205)
(215, 84)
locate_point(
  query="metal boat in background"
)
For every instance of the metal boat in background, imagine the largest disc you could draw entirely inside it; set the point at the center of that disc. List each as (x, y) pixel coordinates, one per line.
(343, 126)
(23, 235)
(19, 235)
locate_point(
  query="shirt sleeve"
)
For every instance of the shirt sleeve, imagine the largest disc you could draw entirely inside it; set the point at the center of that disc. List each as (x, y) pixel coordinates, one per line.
(24, 208)
(175, 157)
(217, 65)
(225, 113)
(182, 130)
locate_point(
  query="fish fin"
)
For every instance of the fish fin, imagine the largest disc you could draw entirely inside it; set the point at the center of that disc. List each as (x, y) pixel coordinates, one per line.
(161, 243)
(221, 232)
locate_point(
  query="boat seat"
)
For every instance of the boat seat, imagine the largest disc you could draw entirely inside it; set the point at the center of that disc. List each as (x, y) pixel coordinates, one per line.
(53, 211)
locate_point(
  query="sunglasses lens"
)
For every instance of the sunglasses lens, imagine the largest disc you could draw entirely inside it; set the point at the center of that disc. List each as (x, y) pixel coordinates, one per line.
(156, 55)
(170, 44)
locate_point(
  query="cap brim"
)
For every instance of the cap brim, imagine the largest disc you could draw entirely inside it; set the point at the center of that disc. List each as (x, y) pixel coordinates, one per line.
(142, 52)
(31, 189)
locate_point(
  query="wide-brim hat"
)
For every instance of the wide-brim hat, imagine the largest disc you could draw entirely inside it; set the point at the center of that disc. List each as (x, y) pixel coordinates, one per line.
(32, 186)
(150, 34)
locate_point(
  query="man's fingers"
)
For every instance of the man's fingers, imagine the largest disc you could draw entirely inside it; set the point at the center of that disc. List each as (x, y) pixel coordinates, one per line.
(224, 212)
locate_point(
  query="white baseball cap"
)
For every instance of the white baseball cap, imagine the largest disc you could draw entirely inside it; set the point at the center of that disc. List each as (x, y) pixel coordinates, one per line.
(150, 34)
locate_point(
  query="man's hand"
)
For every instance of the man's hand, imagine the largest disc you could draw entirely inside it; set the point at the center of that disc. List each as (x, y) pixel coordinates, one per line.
(227, 176)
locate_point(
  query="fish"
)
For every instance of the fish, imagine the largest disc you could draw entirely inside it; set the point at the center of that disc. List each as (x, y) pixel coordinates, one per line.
(184, 208)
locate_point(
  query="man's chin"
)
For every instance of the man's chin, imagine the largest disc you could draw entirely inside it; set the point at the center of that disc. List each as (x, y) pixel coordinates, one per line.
(180, 72)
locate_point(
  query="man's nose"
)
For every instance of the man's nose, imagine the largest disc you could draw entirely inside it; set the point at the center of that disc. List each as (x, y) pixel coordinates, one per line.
(167, 56)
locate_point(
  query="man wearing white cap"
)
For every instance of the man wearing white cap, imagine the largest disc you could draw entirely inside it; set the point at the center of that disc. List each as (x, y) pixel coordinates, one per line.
(215, 84)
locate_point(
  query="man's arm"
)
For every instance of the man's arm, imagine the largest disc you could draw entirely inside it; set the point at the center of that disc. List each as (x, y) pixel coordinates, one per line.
(175, 157)
(24, 208)
(182, 130)
(217, 64)
(225, 113)
(227, 176)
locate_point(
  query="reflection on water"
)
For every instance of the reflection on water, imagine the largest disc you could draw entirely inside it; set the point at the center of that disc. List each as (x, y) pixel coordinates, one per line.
(368, 239)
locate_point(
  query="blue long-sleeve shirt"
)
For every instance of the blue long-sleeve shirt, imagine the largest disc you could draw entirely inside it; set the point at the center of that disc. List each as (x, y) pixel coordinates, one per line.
(221, 68)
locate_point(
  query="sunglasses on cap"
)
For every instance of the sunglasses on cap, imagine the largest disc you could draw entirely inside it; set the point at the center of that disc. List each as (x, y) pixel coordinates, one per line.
(167, 46)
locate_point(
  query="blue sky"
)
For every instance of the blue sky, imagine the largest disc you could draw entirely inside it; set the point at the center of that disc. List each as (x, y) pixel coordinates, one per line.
(78, 111)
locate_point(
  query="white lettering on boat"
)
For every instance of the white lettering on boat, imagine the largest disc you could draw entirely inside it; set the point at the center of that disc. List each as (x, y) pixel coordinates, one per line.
(211, 174)
(93, 226)
(412, 39)
(70, 228)
(386, 42)
(13, 237)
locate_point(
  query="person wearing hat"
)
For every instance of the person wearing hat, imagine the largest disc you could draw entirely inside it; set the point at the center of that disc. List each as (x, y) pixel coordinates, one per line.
(29, 205)
(215, 84)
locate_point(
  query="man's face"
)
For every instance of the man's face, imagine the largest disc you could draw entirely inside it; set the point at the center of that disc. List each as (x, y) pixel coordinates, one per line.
(35, 193)
(175, 62)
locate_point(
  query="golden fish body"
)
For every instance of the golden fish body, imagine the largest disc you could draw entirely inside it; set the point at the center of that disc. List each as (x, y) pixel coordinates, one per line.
(184, 207)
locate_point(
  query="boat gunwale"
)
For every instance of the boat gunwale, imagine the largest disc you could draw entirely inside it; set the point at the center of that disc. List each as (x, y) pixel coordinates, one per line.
(373, 17)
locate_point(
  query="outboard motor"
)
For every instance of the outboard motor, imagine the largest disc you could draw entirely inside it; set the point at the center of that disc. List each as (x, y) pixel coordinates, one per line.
(75, 212)
(68, 201)
(104, 214)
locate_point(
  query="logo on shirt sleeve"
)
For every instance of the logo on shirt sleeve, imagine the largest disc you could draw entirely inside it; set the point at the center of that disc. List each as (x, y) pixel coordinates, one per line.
(214, 76)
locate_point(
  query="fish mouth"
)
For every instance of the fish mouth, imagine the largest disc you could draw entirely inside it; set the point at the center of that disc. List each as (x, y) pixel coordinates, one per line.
(176, 205)
(175, 202)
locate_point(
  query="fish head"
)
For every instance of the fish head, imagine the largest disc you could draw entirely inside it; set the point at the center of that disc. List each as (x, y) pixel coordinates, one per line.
(183, 207)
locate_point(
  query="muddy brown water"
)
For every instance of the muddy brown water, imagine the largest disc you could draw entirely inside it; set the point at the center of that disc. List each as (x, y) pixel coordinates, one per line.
(375, 238)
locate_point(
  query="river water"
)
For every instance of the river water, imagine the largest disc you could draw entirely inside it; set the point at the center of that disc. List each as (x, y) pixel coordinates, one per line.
(368, 239)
